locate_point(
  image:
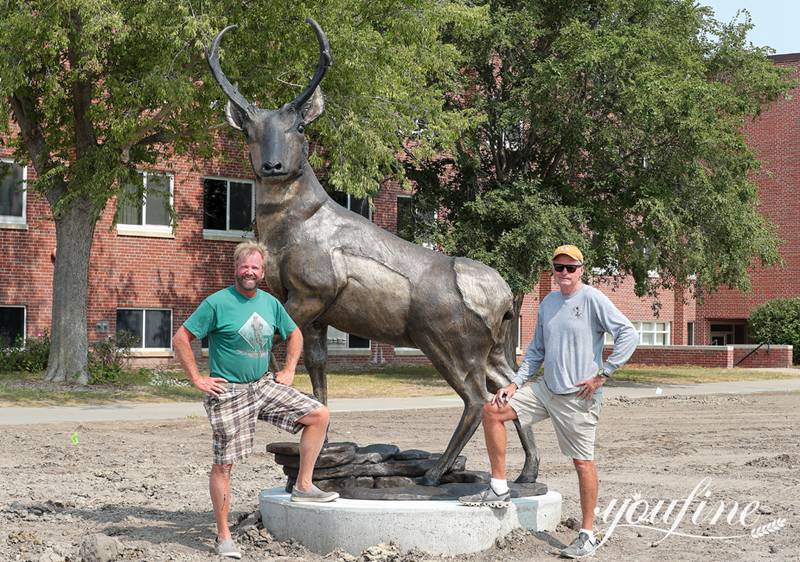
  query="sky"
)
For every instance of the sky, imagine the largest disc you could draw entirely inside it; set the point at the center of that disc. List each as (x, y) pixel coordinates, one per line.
(776, 22)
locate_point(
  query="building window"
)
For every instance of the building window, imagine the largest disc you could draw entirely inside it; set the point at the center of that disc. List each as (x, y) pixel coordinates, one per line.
(690, 333)
(729, 333)
(12, 326)
(359, 205)
(146, 207)
(151, 327)
(12, 193)
(228, 205)
(650, 333)
(412, 223)
(339, 340)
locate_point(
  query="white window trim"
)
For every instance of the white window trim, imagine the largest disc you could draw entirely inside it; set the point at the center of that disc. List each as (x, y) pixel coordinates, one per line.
(150, 351)
(151, 230)
(10, 221)
(24, 320)
(228, 234)
(638, 327)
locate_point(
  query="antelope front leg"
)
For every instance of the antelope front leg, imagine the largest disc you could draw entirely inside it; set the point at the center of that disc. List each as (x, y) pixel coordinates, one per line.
(315, 355)
(315, 344)
(469, 422)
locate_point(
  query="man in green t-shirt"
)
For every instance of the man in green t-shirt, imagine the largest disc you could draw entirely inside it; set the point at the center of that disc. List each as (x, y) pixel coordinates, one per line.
(241, 322)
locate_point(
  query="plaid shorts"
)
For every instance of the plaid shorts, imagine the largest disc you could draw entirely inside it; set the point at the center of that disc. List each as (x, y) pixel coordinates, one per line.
(233, 414)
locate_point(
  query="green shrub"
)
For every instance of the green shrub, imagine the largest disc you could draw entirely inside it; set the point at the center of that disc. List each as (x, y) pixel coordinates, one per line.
(32, 357)
(108, 357)
(778, 322)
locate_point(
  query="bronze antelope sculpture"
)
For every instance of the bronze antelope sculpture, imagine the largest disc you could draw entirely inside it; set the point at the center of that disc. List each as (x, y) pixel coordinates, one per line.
(330, 266)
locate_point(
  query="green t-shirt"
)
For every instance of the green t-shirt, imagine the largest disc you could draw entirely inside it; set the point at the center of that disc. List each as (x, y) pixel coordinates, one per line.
(240, 332)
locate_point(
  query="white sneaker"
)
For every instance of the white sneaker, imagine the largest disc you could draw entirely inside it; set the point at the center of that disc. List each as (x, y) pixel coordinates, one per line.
(582, 546)
(228, 549)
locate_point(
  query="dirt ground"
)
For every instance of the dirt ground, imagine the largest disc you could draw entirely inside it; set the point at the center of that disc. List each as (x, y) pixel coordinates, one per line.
(145, 483)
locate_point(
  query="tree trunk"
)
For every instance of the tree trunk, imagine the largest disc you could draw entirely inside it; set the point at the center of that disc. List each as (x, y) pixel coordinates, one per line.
(513, 333)
(69, 347)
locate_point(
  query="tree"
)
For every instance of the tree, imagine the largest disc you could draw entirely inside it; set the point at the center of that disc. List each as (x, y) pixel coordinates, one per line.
(616, 125)
(98, 89)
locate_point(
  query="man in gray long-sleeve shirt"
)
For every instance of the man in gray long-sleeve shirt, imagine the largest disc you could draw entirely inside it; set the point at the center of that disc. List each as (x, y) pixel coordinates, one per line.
(570, 329)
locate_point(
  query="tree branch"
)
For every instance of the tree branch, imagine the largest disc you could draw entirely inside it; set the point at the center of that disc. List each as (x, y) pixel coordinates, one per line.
(85, 138)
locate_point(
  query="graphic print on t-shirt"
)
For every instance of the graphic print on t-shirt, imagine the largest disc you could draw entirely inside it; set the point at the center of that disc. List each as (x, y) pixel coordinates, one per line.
(257, 332)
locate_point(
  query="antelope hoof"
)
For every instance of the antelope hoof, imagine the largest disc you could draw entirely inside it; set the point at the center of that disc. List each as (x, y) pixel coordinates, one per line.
(526, 478)
(430, 479)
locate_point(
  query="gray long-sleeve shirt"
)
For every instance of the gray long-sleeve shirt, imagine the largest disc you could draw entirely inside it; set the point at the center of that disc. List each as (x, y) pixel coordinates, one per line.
(569, 339)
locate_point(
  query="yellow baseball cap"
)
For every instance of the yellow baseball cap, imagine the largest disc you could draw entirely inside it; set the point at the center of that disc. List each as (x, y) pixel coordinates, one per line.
(568, 250)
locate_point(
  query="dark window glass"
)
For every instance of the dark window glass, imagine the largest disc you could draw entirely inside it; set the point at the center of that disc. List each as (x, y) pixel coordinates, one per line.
(340, 197)
(241, 205)
(405, 218)
(158, 328)
(690, 333)
(360, 206)
(10, 189)
(214, 204)
(131, 321)
(12, 325)
(357, 342)
(157, 200)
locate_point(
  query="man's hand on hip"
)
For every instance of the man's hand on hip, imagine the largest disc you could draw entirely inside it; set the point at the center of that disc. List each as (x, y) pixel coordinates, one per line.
(212, 386)
(285, 376)
(503, 395)
(588, 386)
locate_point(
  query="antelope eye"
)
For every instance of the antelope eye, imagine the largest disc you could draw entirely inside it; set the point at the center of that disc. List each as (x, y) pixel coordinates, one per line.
(301, 128)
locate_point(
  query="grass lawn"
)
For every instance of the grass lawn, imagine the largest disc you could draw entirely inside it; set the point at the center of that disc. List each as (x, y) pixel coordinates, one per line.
(144, 385)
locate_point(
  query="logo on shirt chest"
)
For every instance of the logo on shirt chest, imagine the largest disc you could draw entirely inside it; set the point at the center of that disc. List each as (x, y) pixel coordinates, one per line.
(256, 332)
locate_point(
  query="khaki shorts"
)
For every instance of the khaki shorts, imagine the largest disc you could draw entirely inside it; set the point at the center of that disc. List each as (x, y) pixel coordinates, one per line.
(574, 419)
(233, 414)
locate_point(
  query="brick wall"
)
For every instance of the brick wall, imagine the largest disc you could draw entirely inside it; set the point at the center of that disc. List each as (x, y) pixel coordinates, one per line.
(719, 356)
(775, 138)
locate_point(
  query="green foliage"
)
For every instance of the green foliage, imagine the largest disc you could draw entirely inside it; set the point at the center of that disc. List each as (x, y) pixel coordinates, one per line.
(777, 321)
(30, 357)
(108, 358)
(99, 89)
(616, 125)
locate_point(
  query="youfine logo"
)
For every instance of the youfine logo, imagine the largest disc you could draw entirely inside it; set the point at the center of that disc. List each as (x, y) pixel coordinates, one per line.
(682, 517)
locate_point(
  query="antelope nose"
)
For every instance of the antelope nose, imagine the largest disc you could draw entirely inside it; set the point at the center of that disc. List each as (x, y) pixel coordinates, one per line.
(269, 167)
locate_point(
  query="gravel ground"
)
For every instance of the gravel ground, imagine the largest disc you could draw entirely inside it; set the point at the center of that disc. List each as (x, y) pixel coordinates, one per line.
(145, 483)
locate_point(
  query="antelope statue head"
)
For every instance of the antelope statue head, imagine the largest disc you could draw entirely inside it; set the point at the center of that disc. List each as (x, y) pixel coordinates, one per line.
(276, 138)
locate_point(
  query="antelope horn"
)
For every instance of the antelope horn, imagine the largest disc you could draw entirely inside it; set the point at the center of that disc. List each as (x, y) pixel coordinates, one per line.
(212, 57)
(322, 66)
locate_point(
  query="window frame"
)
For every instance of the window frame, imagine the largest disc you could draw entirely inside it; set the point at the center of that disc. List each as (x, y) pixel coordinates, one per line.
(638, 326)
(349, 204)
(228, 234)
(157, 230)
(143, 310)
(12, 221)
(24, 321)
(346, 349)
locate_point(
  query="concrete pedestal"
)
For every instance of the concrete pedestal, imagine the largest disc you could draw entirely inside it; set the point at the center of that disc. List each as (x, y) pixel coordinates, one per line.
(438, 527)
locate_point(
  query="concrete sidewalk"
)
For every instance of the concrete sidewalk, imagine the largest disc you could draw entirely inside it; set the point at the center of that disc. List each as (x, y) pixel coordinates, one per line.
(132, 411)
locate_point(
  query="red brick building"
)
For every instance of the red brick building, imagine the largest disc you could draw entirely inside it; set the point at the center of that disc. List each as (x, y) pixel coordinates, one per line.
(147, 275)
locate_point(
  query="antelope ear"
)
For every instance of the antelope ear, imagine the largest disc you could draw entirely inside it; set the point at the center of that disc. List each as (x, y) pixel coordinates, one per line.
(235, 116)
(314, 106)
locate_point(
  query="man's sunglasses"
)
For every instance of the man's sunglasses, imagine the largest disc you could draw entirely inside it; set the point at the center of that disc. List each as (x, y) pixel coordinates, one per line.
(559, 267)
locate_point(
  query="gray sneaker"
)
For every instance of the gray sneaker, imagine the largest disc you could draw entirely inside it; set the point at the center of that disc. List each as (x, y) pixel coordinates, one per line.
(582, 546)
(487, 497)
(313, 494)
(228, 549)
